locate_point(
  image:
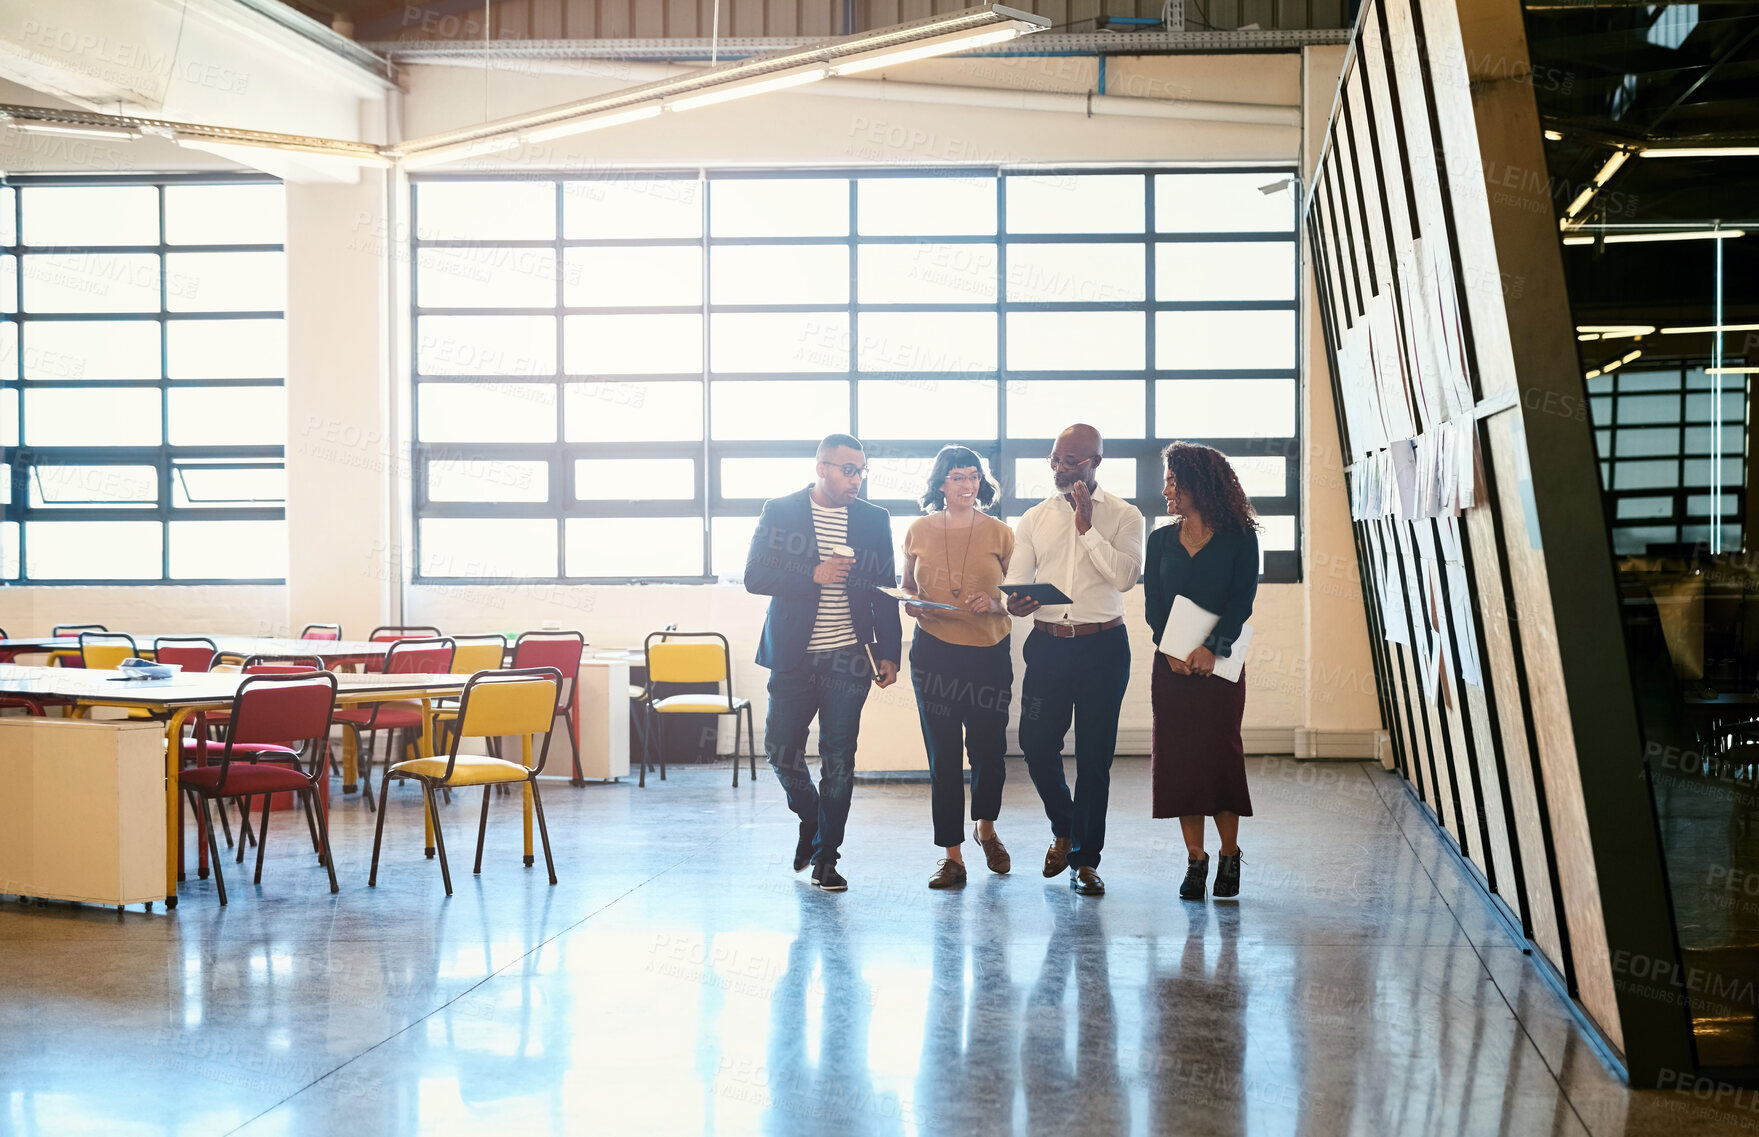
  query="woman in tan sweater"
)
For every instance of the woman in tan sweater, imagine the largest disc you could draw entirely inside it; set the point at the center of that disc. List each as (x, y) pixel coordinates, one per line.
(961, 663)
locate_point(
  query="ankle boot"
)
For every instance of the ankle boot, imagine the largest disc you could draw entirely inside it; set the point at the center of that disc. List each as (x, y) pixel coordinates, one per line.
(1227, 876)
(1196, 876)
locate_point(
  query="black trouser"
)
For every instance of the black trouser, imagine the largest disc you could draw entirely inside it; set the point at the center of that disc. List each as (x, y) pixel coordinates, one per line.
(1081, 677)
(963, 695)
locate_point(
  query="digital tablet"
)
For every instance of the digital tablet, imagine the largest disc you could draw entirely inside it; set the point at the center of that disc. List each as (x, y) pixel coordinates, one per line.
(1043, 593)
(900, 595)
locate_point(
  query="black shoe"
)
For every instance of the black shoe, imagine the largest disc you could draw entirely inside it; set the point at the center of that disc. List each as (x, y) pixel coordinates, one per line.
(826, 877)
(1196, 876)
(803, 847)
(1086, 882)
(1227, 876)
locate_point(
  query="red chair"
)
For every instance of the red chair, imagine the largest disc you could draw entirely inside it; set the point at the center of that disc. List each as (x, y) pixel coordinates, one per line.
(561, 650)
(321, 632)
(406, 657)
(393, 633)
(220, 721)
(192, 653)
(272, 717)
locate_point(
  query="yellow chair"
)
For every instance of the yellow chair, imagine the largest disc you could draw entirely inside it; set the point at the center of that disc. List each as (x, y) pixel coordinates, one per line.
(103, 651)
(495, 704)
(69, 657)
(706, 659)
(471, 654)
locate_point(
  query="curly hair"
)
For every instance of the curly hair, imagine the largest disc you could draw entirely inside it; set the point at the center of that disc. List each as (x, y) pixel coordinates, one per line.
(949, 459)
(1208, 480)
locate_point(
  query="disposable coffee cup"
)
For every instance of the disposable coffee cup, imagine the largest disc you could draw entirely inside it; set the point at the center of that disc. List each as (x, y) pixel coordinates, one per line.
(842, 551)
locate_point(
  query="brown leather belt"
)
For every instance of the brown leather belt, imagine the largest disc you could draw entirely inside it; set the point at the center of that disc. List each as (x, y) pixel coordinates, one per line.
(1064, 631)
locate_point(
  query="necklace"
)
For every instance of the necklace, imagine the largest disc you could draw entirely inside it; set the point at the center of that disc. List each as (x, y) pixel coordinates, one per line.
(1189, 551)
(947, 544)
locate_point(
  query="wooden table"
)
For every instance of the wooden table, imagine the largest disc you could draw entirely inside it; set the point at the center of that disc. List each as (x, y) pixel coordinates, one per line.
(184, 695)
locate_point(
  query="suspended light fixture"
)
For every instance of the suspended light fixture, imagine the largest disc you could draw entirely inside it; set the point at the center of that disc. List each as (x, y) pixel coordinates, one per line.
(984, 25)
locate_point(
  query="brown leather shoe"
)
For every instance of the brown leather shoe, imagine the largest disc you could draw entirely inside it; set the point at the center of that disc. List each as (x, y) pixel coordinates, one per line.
(995, 854)
(951, 874)
(1056, 858)
(1086, 882)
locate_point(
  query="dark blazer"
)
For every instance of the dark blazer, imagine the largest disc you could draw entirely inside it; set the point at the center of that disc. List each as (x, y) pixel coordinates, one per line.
(784, 553)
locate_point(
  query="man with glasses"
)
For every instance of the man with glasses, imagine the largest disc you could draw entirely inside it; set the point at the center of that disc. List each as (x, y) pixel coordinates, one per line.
(821, 555)
(1089, 544)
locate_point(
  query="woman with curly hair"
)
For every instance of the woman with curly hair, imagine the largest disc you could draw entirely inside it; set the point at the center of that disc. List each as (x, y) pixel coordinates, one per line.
(1210, 556)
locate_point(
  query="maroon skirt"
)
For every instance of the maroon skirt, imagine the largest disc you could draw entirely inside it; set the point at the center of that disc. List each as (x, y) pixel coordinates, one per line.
(1198, 767)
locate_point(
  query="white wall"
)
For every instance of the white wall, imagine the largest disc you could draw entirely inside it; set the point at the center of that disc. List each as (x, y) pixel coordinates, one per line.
(347, 448)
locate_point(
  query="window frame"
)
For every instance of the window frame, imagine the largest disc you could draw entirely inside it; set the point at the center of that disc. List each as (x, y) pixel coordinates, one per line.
(709, 503)
(166, 458)
(1610, 386)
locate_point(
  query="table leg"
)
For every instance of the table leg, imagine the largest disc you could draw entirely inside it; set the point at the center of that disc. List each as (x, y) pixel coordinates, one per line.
(350, 763)
(173, 755)
(525, 792)
(425, 748)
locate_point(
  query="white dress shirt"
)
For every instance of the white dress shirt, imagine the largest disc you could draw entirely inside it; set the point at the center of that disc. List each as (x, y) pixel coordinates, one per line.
(1094, 569)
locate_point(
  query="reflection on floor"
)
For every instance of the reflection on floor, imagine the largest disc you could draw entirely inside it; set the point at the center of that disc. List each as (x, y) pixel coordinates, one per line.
(1708, 832)
(681, 979)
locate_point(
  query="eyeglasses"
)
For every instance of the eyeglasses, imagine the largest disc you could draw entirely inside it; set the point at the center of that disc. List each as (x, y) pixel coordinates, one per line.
(848, 470)
(965, 479)
(1063, 462)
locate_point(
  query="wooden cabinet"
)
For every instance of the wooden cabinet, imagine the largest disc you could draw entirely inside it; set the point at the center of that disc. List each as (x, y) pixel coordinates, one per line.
(82, 814)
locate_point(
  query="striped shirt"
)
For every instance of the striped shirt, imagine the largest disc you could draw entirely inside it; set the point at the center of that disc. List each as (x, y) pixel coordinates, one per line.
(832, 628)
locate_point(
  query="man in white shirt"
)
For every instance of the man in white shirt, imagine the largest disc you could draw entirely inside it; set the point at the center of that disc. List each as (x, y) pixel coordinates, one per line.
(1089, 544)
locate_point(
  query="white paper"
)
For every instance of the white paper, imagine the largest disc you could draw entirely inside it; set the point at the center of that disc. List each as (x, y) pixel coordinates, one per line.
(1229, 666)
(1404, 460)
(1187, 627)
(1392, 604)
(1460, 599)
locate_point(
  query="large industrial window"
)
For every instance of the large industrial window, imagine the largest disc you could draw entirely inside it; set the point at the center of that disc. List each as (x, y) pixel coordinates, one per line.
(142, 361)
(1664, 446)
(612, 374)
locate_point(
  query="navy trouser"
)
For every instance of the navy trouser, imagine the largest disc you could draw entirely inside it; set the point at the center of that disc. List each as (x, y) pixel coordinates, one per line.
(1083, 678)
(833, 686)
(962, 695)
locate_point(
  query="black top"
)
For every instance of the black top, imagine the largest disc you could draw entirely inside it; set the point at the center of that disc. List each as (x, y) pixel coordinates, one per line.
(1222, 578)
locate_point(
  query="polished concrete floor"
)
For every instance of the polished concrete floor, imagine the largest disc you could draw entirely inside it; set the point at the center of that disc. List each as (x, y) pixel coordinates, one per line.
(681, 980)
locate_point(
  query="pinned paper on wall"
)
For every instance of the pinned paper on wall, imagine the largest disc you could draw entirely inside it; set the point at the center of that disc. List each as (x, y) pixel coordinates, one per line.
(1361, 400)
(1447, 341)
(1389, 368)
(1404, 463)
(1392, 603)
(1421, 351)
(1465, 628)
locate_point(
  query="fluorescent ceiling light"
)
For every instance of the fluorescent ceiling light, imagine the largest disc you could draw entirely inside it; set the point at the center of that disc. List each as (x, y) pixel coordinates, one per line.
(1701, 152)
(231, 147)
(746, 90)
(1554, 136)
(1704, 329)
(975, 27)
(80, 130)
(594, 122)
(1612, 331)
(495, 145)
(1636, 238)
(1611, 167)
(1731, 371)
(1594, 374)
(945, 45)
(1633, 355)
